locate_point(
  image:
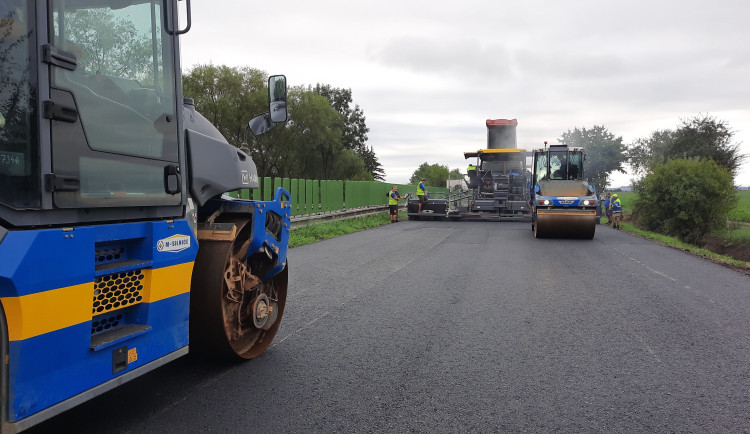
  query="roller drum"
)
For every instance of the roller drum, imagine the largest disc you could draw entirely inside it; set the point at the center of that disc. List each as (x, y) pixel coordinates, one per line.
(233, 314)
(564, 225)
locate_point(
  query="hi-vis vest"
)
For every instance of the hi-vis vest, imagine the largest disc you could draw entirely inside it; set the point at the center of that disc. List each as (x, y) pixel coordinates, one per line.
(616, 205)
(420, 189)
(391, 200)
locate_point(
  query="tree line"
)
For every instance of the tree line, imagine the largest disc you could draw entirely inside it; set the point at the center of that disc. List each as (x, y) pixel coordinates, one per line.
(324, 138)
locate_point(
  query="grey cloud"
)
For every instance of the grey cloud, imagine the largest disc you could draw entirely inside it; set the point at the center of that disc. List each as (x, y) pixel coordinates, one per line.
(739, 60)
(568, 66)
(453, 57)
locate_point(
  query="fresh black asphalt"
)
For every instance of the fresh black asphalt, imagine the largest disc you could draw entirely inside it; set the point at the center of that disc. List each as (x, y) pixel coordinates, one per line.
(470, 327)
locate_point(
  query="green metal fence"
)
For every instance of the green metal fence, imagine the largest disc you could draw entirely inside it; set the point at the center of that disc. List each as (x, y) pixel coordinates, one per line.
(312, 196)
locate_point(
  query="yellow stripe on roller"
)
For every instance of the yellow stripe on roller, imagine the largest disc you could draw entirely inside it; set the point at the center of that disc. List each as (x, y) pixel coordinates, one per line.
(36, 314)
(169, 281)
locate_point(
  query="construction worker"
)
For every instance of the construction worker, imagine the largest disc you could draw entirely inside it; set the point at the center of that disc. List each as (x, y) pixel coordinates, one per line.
(471, 171)
(616, 210)
(393, 198)
(421, 194)
(607, 210)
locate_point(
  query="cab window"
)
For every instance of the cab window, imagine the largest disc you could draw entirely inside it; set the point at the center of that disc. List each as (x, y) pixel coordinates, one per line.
(575, 169)
(19, 156)
(123, 90)
(541, 167)
(558, 165)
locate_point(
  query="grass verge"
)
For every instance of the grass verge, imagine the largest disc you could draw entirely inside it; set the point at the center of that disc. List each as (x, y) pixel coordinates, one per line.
(734, 239)
(323, 231)
(674, 242)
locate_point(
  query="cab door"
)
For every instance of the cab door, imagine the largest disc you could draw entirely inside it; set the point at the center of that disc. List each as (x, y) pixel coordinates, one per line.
(112, 106)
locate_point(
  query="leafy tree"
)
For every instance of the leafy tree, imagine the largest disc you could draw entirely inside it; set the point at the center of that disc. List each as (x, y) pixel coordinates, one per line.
(434, 174)
(605, 153)
(312, 144)
(649, 152)
(685, 198)
(705, 137)
(702, 137)
(229, 97)
(372, 165)
(350, 166)
(316, 135)
(354, 127)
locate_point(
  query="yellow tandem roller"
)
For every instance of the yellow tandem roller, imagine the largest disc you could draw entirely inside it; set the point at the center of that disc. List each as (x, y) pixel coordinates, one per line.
(559, 223)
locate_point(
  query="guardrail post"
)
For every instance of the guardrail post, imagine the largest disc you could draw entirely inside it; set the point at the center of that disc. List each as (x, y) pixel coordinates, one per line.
(294, 191)
(309, 196)
(267, 188)
(317, 204)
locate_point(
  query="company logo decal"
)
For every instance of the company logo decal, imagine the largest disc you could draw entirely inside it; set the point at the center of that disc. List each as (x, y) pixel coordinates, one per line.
(175, 243)
(247, 178)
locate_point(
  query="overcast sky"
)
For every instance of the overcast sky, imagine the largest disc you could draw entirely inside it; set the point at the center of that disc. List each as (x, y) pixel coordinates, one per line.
(428, 74)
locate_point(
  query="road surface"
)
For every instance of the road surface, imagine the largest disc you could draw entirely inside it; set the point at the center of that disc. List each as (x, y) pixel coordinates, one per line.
(470, 326)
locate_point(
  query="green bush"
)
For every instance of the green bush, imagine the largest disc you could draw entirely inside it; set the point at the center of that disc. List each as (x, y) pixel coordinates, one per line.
(685, 198)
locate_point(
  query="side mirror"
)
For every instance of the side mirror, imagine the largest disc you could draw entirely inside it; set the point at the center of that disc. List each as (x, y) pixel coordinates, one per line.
(277, 98)
(277, 112)
(260, 124)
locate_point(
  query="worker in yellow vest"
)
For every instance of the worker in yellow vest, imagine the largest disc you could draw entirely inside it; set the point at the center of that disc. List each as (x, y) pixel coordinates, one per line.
(616, 206)
(421, 194)
(393, 198)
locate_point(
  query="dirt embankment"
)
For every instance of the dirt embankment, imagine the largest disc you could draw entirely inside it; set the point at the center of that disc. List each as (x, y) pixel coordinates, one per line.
(717, 245)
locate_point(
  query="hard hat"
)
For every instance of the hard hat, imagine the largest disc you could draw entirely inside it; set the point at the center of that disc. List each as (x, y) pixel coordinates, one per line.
(614, 195)
(424, 179)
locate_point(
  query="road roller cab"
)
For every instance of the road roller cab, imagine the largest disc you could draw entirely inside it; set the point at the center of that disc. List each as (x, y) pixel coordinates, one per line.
(118, 249)
(563, 203)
